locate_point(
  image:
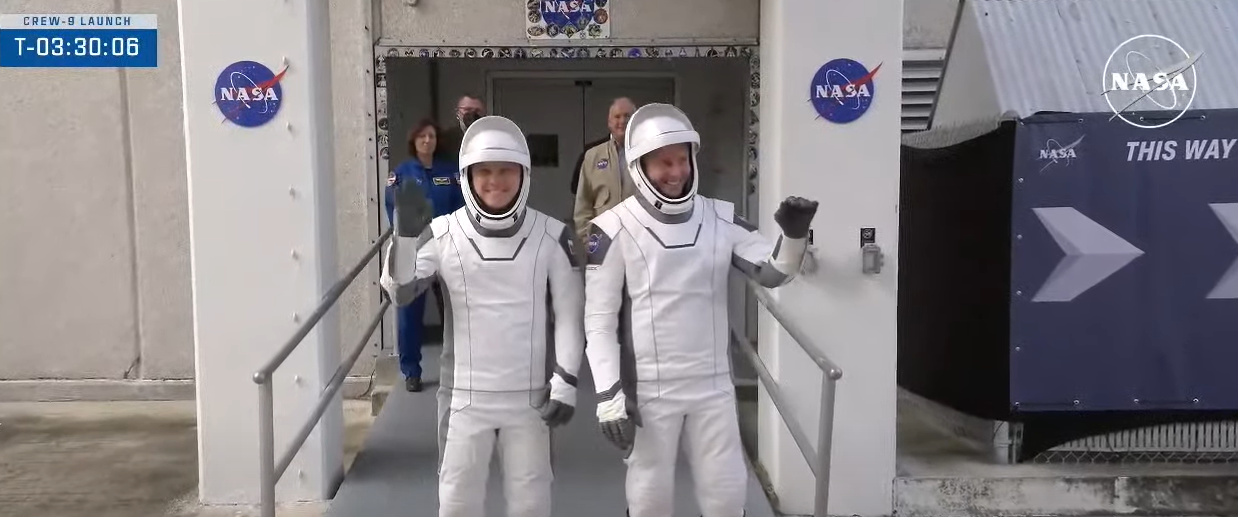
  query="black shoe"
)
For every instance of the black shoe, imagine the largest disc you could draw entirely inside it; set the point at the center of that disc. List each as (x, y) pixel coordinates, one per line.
(412, 384)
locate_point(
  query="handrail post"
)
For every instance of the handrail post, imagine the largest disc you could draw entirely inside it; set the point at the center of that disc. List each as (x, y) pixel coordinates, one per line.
(266, 446)
(825, 441)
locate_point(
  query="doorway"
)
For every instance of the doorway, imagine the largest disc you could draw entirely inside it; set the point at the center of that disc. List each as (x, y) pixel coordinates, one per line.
(559, 115)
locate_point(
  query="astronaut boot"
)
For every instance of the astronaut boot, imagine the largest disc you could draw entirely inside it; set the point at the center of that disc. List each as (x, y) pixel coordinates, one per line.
(413, 384)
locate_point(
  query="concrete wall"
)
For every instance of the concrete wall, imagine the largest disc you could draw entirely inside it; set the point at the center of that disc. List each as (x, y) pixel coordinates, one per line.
(926, 23)
(95, 269)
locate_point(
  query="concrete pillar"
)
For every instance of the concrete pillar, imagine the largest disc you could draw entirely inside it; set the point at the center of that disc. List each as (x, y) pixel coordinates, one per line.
(852, 168)
(262, 240)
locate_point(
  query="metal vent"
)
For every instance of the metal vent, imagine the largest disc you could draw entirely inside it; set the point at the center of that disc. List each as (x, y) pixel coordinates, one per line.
(1196, 442)
(921, 77)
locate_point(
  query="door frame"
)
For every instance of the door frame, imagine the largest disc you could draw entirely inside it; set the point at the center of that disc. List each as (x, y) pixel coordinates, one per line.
(533, 75)
(380, 162)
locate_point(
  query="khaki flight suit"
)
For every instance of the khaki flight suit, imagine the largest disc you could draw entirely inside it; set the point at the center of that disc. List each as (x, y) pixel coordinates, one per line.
(604, 182)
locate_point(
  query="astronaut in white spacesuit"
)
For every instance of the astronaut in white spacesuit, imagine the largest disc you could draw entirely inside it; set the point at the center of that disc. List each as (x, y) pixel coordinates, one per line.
(498, 262)
(659, 260)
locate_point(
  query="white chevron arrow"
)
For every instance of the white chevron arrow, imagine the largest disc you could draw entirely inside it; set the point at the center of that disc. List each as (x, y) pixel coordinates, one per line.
(1092, 254)
(1227, 288)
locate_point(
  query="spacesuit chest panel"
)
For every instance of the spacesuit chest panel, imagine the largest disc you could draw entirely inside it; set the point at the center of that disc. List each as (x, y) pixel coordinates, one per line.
(498, 289)
(676, 279)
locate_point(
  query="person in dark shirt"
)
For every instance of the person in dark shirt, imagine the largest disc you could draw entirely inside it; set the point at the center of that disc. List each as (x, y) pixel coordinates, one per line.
(469, 108)
(438, 177)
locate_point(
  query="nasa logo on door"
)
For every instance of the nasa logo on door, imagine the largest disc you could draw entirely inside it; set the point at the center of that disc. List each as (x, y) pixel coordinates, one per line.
(842, 90)
(248, 93)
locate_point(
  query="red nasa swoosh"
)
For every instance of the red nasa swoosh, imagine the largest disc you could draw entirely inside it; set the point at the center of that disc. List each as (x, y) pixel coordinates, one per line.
(866, 79)
(264, 85)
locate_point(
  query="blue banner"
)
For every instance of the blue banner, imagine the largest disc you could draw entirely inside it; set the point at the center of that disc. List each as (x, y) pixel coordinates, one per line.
(79, 41)
(1124, 264)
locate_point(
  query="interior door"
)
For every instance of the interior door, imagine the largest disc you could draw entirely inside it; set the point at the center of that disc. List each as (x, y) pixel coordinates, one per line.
(549, 113)
(600, 93)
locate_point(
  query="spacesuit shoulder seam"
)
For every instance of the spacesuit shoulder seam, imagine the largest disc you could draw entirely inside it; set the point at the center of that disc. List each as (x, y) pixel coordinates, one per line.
(609, 222)
(724, 209)
(440, 225)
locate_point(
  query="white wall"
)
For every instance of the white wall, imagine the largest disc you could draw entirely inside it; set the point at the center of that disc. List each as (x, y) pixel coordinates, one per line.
(501, 22)
(94, 227)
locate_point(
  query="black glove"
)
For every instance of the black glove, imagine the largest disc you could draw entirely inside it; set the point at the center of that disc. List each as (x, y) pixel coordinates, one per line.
(795, 215)
(412, 209)
(556, 413)
(621, 432)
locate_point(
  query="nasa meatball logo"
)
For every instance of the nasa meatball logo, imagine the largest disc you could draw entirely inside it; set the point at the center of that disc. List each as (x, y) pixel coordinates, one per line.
(603, 163)
(248, 93)
(594, 242)
(1146, 73)
(842, 90)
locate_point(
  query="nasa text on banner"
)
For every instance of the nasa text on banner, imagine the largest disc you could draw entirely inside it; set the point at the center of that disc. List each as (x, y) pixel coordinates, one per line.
(842, 90)
(1124, 264)
(79, 41)
(567, 19)
(248, 93)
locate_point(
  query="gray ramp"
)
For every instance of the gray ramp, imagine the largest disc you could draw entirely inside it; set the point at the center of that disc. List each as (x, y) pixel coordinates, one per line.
(395, 472)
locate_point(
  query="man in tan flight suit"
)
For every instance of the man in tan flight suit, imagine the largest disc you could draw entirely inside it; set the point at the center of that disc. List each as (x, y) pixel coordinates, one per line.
(604, 180)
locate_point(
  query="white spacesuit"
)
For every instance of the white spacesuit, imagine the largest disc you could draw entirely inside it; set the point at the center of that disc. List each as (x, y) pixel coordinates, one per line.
(660, 262)
(497, 271)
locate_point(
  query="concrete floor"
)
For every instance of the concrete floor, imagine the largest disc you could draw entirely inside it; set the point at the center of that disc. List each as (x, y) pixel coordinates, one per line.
(117, 459)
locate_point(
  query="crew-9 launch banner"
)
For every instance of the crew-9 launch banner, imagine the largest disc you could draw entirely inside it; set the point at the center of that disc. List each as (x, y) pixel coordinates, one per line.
(1124, 264)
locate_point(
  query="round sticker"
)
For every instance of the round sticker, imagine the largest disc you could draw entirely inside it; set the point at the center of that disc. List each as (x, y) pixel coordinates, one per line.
(842, 90)
(594, 242)
(248, 93)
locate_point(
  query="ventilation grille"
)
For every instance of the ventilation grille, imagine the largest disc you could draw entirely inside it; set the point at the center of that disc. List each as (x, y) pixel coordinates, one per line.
(1196, 442)
(921, 76)
(1185, 437)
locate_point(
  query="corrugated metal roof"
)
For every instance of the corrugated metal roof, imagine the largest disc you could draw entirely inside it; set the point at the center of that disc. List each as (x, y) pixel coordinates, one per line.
(1049, 55)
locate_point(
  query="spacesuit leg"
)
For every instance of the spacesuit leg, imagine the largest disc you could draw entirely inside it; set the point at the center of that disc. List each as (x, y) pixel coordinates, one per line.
(651, 465)
(716, 456)
(525, 449)
(466, 464)
(409, 330)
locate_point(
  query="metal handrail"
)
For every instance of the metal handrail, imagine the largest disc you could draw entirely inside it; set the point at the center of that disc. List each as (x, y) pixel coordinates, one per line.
(818, 460)
(272, 470)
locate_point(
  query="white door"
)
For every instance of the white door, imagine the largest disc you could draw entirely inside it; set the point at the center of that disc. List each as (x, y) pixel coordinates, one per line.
(549, 113)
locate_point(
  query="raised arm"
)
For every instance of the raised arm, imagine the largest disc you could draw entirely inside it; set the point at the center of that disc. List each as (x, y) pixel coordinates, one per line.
(773, 263)
(604, 285)
(412, 256)
(567, 297)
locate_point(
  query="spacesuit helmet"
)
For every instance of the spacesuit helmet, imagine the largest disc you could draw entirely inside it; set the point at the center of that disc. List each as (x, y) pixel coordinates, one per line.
(494, 139)
(653, 127)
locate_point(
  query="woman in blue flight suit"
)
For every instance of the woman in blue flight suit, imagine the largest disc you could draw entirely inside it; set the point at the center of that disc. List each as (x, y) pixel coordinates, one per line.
(437, 176)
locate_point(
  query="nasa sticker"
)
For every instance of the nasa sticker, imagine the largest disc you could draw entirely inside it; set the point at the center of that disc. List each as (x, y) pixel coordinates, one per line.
(248, 93)
(1149, 72)
(842, 90)
(603, 163)
(594, 242)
